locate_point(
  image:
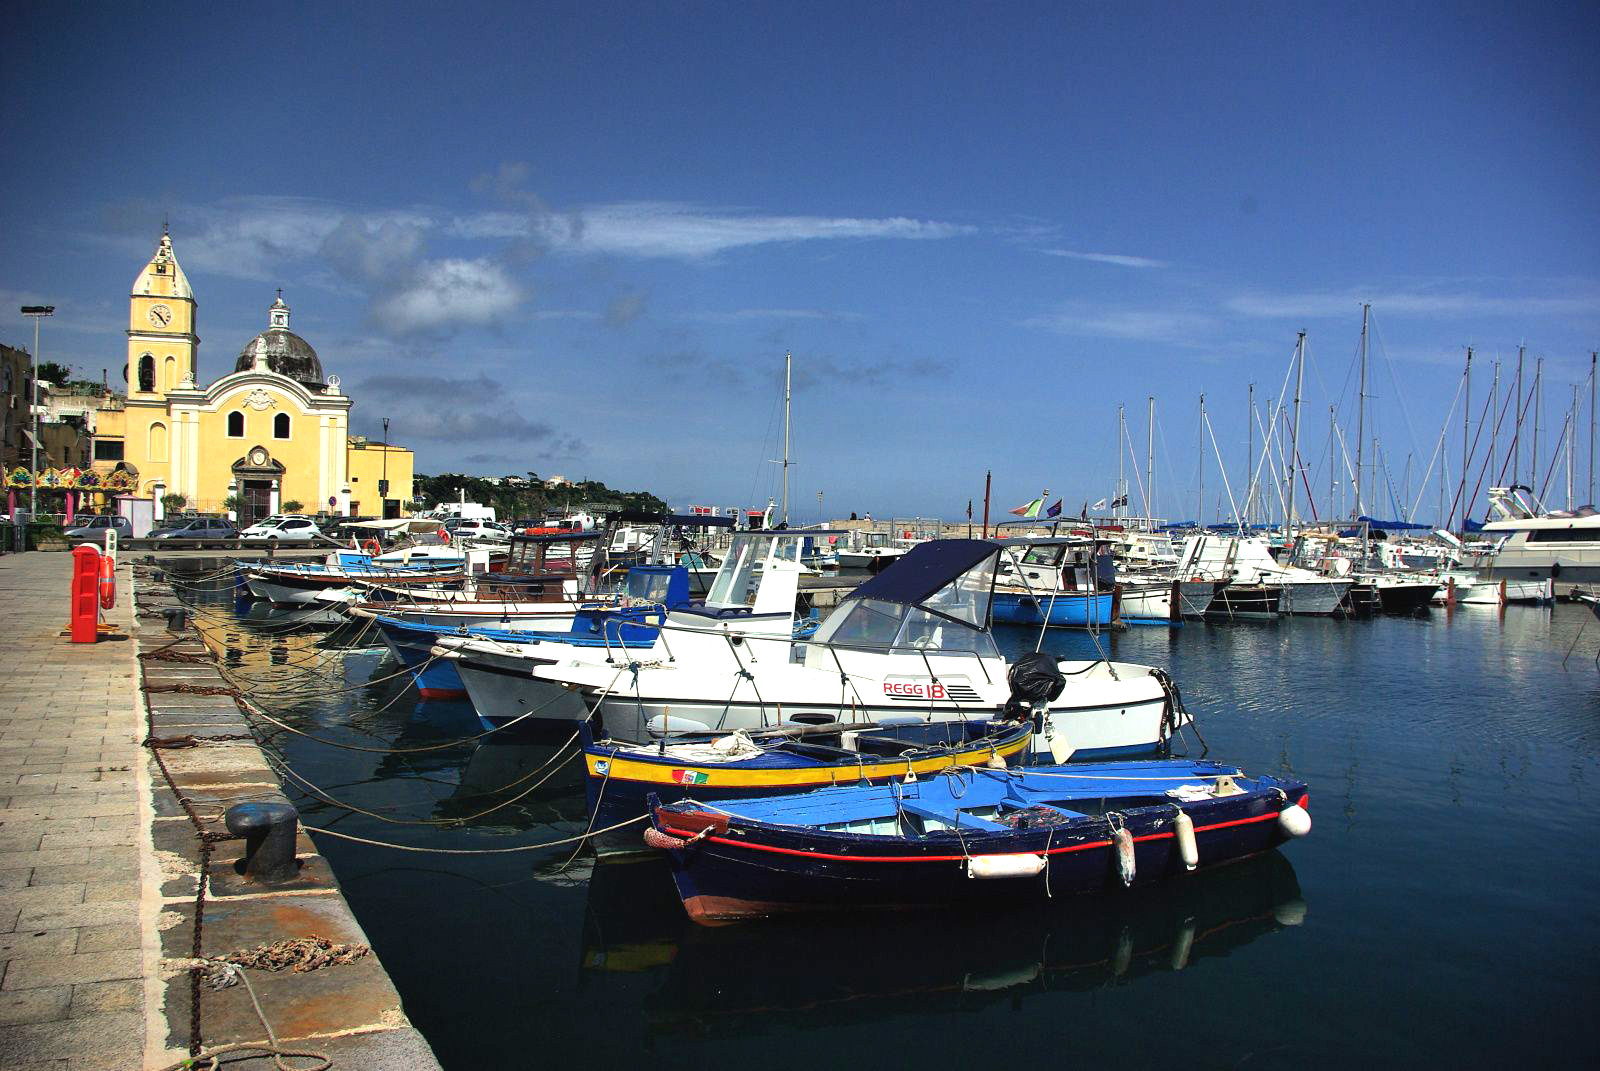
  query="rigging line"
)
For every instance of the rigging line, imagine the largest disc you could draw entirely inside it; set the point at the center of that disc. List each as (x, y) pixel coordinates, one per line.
(1138, 479)
(1234, 506)
(1388, 364)
(320, 794)
(1267, 446)
(1422, 487)
(475, 851)
(1466, 462)
(1555, 457)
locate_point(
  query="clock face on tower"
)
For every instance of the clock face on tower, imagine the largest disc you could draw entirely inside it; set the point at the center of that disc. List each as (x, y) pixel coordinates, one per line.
(160, 315)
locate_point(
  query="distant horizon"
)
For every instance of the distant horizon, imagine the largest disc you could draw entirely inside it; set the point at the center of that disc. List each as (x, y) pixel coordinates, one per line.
(580, 240)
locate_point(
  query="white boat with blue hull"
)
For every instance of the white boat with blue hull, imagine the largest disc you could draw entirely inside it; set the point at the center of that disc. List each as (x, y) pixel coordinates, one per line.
(913, 642)
(751, 607)
(625, 617)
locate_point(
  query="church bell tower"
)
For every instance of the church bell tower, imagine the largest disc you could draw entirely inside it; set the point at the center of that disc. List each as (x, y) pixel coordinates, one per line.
(162, 344)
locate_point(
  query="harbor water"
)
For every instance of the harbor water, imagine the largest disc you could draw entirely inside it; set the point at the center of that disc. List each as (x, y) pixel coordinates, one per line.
(1440, 912)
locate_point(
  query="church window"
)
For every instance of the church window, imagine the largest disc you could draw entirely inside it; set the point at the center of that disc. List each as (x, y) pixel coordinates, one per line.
(280, 426)
(171, 377)
(235, 425)
(147, 374)
(158, 441)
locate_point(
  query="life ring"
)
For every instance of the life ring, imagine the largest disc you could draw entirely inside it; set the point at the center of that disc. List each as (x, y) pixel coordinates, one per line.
(444, 536)
(372, 548)
(108, 582)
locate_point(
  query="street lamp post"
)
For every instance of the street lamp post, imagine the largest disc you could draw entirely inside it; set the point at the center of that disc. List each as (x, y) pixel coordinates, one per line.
(38, 312)
(383, 481)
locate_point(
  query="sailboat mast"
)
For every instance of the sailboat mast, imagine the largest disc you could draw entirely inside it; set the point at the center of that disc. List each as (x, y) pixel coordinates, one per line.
(1200, 496)
(1592, 358)
(1494, 414)
(1361, 404)
(1538, 415)
(1333, 467)
(1122, 430)
(1150, 463)
(788, 368)
(1516, 435)
(1572, 431)
(1466, 411)
(1294, 433)
(1250, 456)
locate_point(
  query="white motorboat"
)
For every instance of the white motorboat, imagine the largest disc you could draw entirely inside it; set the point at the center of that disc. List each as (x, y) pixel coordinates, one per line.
(912, 643)
(750, 609)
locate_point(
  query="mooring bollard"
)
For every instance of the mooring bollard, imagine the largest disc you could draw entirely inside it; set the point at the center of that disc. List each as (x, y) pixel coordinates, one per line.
(177, 618)
(269, 831)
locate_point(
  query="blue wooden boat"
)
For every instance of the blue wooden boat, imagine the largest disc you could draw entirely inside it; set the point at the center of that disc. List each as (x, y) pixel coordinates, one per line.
(1067, 609)
(623, 776)
(1060, 581)
(970, 836)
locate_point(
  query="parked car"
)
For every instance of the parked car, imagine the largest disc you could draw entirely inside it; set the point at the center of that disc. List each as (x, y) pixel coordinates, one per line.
(474, 528)
(198, 528)
(94, 529)
(284, 528)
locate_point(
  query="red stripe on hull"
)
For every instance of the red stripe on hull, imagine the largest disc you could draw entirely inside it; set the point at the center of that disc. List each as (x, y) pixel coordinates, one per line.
(442, 693)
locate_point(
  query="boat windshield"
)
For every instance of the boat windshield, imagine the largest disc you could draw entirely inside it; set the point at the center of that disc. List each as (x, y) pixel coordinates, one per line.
(739, 578)
(953, 618)
(649, 584)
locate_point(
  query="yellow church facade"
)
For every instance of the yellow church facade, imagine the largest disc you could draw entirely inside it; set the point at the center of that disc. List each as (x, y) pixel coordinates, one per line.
(273, 432)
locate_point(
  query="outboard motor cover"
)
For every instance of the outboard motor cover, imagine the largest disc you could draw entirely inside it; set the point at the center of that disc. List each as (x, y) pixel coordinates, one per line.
(1034, 680)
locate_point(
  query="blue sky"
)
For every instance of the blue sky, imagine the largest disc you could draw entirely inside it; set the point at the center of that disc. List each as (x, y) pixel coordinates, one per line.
(579, 238)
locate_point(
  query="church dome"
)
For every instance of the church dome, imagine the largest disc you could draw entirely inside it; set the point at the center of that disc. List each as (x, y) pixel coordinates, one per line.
(282, 351)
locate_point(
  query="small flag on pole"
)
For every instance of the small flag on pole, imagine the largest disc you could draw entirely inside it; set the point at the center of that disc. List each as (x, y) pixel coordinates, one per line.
(1055, 510)
(1120, 500)
(1099, 505)
(1031, 509)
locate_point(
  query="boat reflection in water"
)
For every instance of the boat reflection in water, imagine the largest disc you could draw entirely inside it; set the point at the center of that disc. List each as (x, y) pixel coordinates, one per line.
(699, 980)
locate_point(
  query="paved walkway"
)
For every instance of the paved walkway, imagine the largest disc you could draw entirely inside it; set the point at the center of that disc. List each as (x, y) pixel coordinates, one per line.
(73, 990)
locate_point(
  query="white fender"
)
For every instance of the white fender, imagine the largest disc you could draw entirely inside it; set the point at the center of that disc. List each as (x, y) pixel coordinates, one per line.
(1125, 861)
(1295, 820)
(1183, 829)
(1015, 865)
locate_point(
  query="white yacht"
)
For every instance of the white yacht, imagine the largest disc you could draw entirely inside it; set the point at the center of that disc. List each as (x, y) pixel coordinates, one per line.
(1539, 544)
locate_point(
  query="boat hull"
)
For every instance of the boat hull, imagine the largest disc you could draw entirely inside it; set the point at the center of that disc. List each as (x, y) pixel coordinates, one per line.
(1314, 598)
(502, 694)
(1246, 602)
(729, 869)
(1064, 610)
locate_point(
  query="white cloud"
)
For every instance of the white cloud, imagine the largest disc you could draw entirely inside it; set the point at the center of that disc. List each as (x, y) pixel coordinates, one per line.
(446, 293)
(684, 231)
(252, 237)
(1146, 325)
(744, 315)
(1419, 303)
(1120, 259)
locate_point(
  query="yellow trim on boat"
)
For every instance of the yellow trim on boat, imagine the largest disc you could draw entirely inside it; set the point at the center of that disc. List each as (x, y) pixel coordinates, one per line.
(721, 776)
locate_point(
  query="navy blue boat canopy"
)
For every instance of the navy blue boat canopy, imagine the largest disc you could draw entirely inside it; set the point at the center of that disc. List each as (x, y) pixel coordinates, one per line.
(926, 569)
